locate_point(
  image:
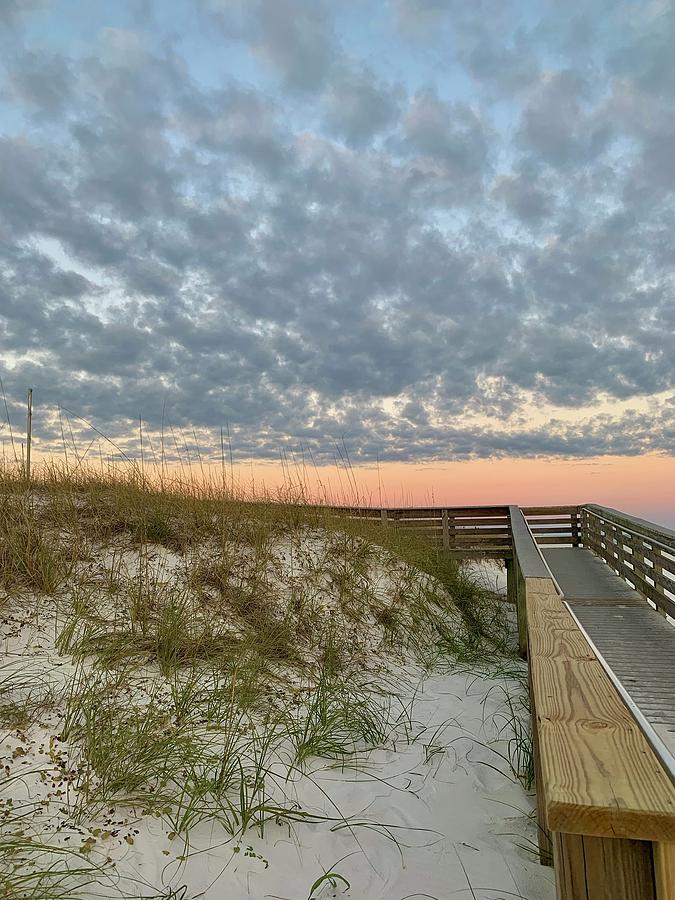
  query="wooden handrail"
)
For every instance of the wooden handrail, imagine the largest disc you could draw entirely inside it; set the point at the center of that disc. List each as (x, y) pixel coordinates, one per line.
(558, 525)
(641, 526)
(530, 561)
(475, 532)
(642, 552)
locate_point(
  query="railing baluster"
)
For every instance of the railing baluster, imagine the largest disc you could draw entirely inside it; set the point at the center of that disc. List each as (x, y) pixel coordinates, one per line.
(626, 543)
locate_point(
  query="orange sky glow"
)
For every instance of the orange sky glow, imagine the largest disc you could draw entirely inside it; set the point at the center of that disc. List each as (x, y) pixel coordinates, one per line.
(643, 486)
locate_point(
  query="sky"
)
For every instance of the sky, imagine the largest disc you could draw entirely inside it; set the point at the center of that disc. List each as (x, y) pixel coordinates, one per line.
(428, 233)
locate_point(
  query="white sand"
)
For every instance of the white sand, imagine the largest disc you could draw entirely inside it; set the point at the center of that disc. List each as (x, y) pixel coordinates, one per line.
(442, 816)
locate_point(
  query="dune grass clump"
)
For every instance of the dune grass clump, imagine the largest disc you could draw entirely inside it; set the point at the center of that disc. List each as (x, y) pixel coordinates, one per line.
(341, 717)
(163, 627)
(31, 869)
(130, 754)
(24, 694)
(31, 559)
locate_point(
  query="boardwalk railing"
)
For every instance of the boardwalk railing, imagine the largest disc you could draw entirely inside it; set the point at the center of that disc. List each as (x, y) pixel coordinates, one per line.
(527, 571)
(641, 553)
(554, 524)
(471, 531)
(466, 531)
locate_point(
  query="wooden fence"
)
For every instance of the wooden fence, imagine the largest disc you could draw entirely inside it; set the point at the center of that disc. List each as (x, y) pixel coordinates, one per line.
(554, 524)
(476, 531)
(473, 531)
(643, 555)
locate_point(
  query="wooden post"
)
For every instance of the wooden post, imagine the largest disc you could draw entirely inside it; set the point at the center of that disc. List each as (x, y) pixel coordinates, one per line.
(383, 515)
(600, 868)
(446, 530)
(659, 589)
(584, 528)
(511, 585)
(543, 834)
(521, 607)
(515, 593)
(664, 870)
(575, 524)
(29, 430)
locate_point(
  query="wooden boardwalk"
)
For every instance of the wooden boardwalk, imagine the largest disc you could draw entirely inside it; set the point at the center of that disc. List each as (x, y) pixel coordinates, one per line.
(584, 577)
(599, 657)
(595, 593)
(635, 644)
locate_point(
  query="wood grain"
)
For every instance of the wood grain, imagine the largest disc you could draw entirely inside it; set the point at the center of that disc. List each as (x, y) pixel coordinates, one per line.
(555, 527)
(664, 871)
(595, 868)
(549, 510)
(544, 841)
(482, 520)
(473, 553)
(599, 775)
(555, 540)
(551, 520)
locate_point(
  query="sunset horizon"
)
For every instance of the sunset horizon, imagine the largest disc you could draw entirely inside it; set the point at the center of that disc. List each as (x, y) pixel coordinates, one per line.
(643, 486)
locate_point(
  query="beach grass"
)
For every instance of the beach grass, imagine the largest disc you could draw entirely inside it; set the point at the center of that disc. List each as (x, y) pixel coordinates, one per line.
(214, 645)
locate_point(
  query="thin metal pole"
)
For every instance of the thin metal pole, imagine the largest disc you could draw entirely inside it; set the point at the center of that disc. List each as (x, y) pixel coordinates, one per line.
(29, 430)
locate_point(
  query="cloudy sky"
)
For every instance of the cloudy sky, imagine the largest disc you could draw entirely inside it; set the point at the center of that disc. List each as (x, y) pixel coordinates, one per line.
(429, 229)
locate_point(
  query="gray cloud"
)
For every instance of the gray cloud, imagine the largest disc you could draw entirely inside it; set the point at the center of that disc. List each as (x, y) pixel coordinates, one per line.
(415, 15)
(292, 37)
(526, 194)
(490, 38)
(560, 124)
(212, 246)
(646, 55)
(450, 141)
(237, 120)
(502, 67)
(12, 11)
(357, 108)
(43, 82)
